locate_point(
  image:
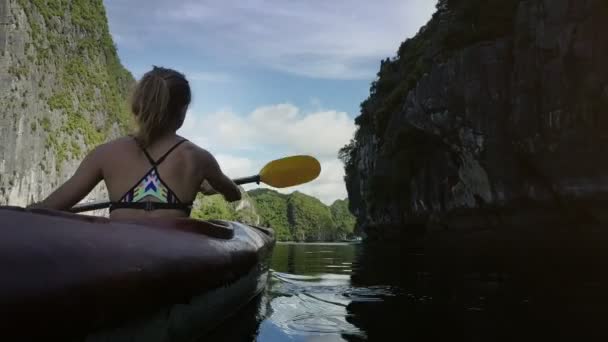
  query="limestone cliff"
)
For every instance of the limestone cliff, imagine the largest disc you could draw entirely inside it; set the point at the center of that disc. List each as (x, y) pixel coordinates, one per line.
(494, 108)
(62, 91)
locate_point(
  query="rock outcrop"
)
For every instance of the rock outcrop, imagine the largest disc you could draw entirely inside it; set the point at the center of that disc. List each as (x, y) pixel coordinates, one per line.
(217, 208)
(494, 112)
(62, 92)
(294, 217)
(300, 217)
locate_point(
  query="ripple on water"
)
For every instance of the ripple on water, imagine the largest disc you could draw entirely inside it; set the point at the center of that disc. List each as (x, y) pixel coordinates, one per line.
(308, 308)
(314, 307)
(320, 280)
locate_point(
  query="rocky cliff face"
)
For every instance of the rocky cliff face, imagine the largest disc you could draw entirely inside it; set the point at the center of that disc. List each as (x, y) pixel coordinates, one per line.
(62, 91)
(494, 108)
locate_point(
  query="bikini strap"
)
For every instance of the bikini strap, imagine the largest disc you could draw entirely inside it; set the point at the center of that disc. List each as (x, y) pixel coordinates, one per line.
(161, 159)
(141, 147)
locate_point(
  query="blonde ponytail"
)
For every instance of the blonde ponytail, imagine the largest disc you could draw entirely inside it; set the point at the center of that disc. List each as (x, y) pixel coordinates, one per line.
(158, 102)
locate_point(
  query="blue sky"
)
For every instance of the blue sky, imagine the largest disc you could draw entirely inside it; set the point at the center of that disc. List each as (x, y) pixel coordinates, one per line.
(270, 78)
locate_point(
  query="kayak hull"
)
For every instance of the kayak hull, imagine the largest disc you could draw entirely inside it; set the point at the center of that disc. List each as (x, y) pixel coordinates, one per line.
(97, 279)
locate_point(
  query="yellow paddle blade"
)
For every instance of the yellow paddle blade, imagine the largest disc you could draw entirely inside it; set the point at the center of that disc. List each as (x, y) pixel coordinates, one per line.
(290, 171)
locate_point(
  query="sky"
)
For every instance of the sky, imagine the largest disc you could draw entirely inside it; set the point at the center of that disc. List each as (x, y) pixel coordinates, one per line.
(270, 78)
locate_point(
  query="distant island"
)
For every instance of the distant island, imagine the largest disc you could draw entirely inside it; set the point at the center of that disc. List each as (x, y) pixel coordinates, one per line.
(294, 217)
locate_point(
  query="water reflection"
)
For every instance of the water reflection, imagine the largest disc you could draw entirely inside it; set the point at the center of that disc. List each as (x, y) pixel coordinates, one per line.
(306, 298)
(308, 293)
(515, 291)
(349, 292)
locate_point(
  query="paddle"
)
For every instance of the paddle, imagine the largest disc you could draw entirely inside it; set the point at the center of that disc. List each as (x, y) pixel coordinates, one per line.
(280, 173)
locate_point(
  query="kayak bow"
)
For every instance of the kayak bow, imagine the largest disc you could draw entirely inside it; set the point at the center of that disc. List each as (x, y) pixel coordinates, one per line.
(74, 276)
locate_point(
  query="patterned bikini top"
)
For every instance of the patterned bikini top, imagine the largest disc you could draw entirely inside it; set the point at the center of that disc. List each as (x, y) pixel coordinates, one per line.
(151, 185)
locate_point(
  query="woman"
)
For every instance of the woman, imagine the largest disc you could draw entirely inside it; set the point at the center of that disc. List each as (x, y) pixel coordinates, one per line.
(154, 173)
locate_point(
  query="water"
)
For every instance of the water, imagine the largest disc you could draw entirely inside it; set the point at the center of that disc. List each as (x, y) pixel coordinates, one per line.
(353, 292)
(310, 292)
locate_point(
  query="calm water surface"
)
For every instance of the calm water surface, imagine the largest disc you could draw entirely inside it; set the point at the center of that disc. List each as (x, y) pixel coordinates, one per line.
(354, 292)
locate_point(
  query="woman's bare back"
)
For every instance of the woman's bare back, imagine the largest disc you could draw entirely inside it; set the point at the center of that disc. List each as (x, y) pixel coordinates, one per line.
(122, 163)
(134, 175)
(126, 164)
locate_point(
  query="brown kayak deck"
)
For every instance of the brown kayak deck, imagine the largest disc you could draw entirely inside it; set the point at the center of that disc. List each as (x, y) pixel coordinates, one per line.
(69, 275)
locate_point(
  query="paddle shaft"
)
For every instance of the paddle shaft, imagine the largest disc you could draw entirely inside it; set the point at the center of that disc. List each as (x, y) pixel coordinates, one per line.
(279, 173)
(246, 180)
(79, 208)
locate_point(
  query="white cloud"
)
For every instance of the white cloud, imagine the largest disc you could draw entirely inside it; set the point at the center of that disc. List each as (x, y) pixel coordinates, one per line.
(339, 39)
(236, 166)
(272, 132)
(281, 126)
(330, 184)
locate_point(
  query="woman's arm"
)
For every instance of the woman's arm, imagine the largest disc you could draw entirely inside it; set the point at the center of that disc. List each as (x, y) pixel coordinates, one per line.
(218, 181)
(86, 177)
(207, 190)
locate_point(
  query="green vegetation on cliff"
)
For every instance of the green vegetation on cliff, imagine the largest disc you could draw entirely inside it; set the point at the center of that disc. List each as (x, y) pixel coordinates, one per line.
(212, 207)
(215, 207)
(300, 217)
(272, 208)
(86, 83)
(343, 219)
(295, 216)
(310, 220)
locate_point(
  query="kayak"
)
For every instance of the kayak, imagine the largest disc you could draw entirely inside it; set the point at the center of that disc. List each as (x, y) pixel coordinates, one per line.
(95, 279)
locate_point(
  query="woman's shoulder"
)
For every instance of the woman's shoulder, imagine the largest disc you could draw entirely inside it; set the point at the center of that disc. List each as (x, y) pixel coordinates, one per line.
(118, 143)
(113, 147)
(196, 150)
